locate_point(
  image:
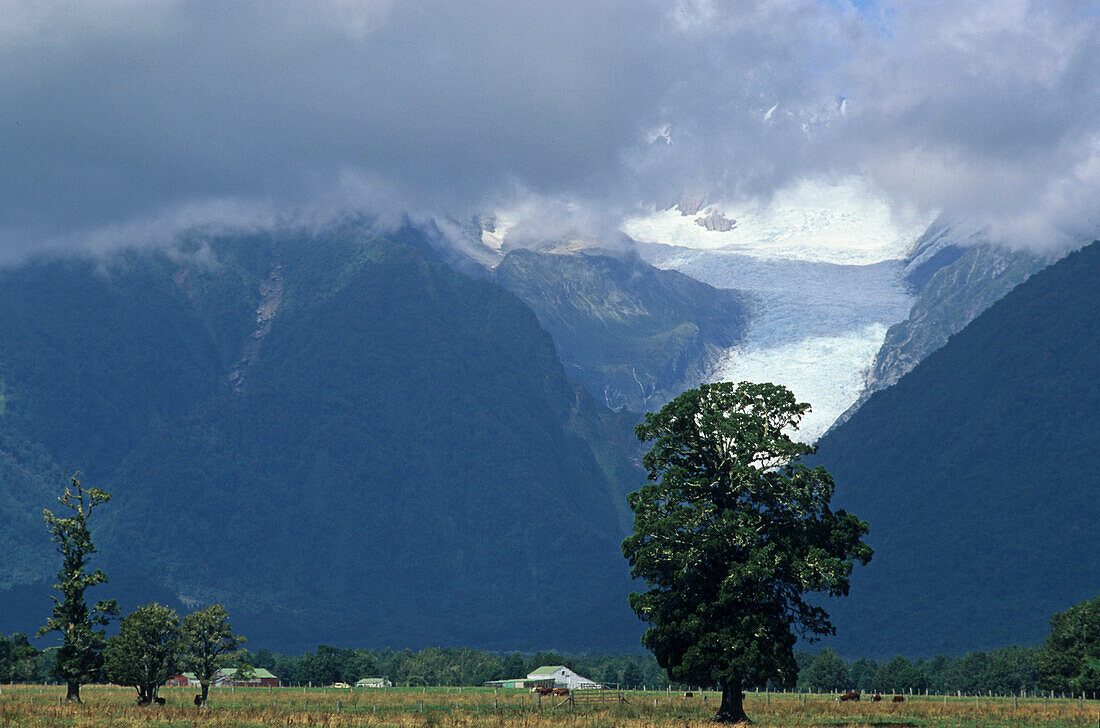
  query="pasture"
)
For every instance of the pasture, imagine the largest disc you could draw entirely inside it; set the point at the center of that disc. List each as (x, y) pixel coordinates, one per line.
(38, 707)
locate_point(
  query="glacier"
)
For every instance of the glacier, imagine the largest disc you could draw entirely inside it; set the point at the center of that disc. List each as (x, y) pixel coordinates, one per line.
(815, 327)
(824, 264)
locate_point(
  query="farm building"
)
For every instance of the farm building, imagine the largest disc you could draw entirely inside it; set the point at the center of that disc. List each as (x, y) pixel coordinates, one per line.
(260, 678)
(374, 682)
(563, 677)
(182, 680)
(521, 682)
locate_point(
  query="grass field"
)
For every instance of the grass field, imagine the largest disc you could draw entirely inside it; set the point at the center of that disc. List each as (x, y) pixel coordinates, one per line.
(37, 707)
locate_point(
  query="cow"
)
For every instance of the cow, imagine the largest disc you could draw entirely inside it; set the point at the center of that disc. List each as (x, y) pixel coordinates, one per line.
(876, 698)
(198, 701)
(158, 701)
(898, 699)
(541, 690)
(561, 691)
(689, 694)
(844, 698)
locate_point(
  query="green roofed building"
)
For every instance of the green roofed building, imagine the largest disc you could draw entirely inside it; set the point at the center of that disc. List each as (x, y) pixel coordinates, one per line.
(515, 682)
(260, 678)
(374, 682)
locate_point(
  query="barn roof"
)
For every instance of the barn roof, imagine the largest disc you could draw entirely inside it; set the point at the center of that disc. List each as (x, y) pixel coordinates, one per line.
(257, 672)
(546, 671)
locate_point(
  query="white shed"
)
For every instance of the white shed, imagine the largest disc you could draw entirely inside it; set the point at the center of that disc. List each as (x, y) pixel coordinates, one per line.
(563, 677)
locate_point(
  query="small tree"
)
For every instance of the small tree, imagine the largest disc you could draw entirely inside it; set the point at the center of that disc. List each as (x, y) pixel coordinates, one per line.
(827, 673)
(145, 652)
(80, 658)
(18, 659)
(729, 533)
(632, 676)
(208, 644)
(243, 671)
(899, 675)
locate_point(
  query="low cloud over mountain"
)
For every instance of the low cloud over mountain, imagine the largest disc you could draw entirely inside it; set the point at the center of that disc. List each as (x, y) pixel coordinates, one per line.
(168, 115)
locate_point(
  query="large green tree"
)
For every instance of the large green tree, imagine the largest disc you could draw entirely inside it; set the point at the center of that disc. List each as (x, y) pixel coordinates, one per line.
(145, 652)
(730, 532)
(1070, 660)
(208, 644)
(80, 659)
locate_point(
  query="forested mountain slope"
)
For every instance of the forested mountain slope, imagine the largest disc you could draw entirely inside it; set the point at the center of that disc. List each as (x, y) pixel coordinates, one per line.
(977, 474)
(338, 437)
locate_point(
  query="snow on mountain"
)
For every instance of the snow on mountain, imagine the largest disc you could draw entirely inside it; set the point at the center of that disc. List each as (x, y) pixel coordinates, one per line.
(832, 223)
(815, 327)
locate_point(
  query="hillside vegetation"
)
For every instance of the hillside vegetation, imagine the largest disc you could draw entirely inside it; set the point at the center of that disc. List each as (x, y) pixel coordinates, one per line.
(977, 473)
(319, 433)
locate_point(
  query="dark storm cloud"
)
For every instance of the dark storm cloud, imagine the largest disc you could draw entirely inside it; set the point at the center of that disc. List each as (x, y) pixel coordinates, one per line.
(123, 121)
(153, 105)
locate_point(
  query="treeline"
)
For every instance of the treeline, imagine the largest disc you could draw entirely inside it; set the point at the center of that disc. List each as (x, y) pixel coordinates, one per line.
(21, 662)
(1004, 671)
(449, 666)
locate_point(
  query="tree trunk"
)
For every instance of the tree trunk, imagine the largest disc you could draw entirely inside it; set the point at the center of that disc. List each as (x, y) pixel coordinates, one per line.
(205, 690)
(732, 709)
(72, 692)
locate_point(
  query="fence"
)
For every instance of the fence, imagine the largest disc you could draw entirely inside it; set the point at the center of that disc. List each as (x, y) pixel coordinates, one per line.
(594, 697)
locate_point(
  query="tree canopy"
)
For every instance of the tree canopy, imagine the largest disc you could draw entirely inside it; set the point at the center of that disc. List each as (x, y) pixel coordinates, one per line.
(145, 652)
(80, 659)
(729, 533)
(18, 659)
(826, 674)
(1070, 660)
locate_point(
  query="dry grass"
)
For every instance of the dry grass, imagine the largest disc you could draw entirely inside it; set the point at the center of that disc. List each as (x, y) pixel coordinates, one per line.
(37, 707)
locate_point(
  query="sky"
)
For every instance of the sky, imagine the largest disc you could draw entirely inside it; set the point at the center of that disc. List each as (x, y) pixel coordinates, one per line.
(123, 121)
